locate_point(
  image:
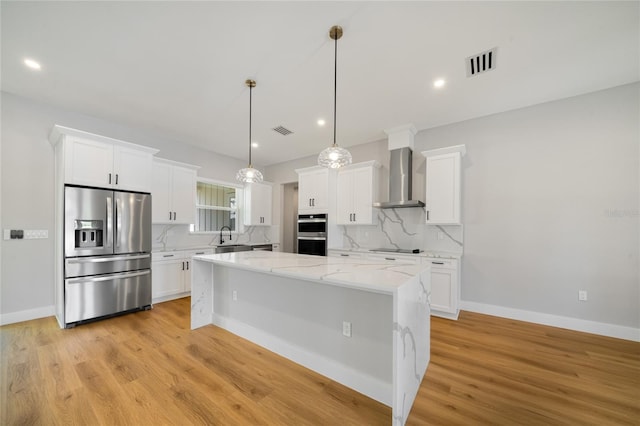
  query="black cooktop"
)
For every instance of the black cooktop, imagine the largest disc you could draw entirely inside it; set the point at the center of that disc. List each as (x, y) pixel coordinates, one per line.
(395, 250)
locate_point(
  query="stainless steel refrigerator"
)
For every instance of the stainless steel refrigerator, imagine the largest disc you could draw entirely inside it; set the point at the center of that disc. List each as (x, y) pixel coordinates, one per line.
(107, 253)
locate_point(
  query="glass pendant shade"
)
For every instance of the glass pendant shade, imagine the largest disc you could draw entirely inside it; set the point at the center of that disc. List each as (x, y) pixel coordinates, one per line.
(249, 175)
(334, 157)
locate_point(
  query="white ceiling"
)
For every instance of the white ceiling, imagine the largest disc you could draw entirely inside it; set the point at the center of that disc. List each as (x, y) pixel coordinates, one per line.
(179, 68)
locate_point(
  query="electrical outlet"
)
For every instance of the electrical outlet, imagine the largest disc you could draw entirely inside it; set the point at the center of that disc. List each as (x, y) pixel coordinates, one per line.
(582, 295)
(346, 328)
(234, 295)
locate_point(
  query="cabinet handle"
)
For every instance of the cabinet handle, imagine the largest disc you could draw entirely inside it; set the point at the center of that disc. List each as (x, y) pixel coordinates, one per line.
(390, 258)
(199, 252)
(309, 202)
(187, 265)
(169, 215)
(174, 215)
(345, 255)
(167, 255)
(354, 217)
(438, 263)
(109, 178)
(427, 214)
(183, 266)
(116, 178)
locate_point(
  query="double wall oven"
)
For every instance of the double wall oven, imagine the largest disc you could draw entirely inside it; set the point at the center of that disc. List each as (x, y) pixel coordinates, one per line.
(107, 253)
(312, 234)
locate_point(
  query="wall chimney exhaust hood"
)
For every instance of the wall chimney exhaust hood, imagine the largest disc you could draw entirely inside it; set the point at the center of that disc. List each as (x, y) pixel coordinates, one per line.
(400, 165)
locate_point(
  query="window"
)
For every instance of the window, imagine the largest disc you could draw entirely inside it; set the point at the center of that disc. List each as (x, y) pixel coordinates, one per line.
(215, 207)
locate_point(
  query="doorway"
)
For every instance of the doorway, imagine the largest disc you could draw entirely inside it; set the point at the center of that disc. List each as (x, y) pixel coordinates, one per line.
(290, 217)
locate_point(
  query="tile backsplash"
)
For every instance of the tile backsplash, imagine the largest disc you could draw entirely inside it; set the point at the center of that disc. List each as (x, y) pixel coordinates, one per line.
(403, 228)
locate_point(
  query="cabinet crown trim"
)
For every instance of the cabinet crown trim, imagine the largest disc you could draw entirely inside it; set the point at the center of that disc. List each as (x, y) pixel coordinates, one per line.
(175, 163)
(372, 163)
(462, 149)
(310, 169)
(58, 131)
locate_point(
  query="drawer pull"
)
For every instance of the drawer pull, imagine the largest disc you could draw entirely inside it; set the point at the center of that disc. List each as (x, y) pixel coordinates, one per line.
(199, 252)
(345, 255)
(438, 263)
(167, 255)
(390, 258)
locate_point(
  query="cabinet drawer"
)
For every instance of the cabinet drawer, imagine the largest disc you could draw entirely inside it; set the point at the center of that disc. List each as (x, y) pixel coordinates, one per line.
(167, 256)
(394, 258)
(437, 262)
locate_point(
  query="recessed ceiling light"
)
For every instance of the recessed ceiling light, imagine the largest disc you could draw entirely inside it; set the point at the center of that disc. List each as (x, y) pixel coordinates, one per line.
(254, 144)
(438, 83)
(321, 122)
(32, 64)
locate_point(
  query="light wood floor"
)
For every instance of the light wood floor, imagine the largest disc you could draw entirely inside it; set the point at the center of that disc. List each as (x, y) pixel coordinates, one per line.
(148, 368)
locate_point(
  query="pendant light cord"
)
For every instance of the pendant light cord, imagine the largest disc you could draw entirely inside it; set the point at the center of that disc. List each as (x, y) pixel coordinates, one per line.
(250, 104)
(335, 88)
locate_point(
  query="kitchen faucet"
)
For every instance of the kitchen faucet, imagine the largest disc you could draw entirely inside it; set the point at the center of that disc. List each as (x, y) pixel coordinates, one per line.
(221, 229)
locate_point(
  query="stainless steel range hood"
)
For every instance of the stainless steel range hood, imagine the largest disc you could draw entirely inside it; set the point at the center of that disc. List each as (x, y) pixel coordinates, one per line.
(400, 173)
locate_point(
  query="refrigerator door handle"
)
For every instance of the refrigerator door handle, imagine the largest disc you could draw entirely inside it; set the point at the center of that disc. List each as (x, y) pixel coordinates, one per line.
(107, 259)
(118, 222)
(110, 277)
(109, 222)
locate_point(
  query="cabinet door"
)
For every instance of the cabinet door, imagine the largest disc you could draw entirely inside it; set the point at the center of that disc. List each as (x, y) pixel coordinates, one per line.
(132, 169)
(160, 196)
(443, 189)
(444, 292)
(183, 195)
(344, 198)
(313, 191)
(88, 163)
(362, 189)
(258, 204)
(167, 278)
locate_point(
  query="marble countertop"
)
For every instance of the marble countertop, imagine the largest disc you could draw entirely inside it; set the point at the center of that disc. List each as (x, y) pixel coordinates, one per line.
(431, 253)
(162, 250)
(362, 274)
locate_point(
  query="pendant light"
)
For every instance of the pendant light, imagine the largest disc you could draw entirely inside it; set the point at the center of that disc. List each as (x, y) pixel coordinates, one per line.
(249, 174)
(334, 156)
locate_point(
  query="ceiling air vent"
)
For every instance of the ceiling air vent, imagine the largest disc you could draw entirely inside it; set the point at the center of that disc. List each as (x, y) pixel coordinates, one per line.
(282, 130)
(483, 62)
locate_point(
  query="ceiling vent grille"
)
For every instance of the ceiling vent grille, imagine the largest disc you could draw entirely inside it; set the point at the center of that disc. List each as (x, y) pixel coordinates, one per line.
(481, 63)
(282, 130)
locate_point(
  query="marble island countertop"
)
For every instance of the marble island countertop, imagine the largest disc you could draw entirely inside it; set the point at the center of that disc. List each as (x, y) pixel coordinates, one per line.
(372, 275)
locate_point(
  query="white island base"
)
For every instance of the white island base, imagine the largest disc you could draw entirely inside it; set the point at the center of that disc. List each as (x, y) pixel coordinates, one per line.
(297, 306)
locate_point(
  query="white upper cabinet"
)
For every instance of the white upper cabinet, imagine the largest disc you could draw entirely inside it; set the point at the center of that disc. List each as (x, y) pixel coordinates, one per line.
(313, 190)
(257, 204)
(98, 161)
(357, 190)
(173, 192)
(443, 185)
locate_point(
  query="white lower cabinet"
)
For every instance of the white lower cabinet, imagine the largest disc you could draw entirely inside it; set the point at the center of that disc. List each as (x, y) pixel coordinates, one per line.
(171, 273)
(445, 287)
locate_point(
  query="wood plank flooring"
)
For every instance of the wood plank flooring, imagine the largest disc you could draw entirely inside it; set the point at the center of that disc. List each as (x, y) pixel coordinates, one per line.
(148, 368)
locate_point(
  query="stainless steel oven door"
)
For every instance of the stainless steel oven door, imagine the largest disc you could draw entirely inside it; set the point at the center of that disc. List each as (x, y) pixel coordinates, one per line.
(312, 243)
(93, 297)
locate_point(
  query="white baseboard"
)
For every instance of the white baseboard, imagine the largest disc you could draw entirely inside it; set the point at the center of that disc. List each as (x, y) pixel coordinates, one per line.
(27, 315)
(603, 329)
(363, 383)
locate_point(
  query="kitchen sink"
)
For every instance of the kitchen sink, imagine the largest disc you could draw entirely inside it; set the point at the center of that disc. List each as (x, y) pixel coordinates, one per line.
(231, 248)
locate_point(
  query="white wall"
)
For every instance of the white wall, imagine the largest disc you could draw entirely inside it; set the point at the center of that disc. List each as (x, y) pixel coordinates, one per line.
(542, 190)
(550, 204)
(27, 191)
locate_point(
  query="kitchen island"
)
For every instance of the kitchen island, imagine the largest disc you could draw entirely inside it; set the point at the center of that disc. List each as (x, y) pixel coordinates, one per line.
(362, 323)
